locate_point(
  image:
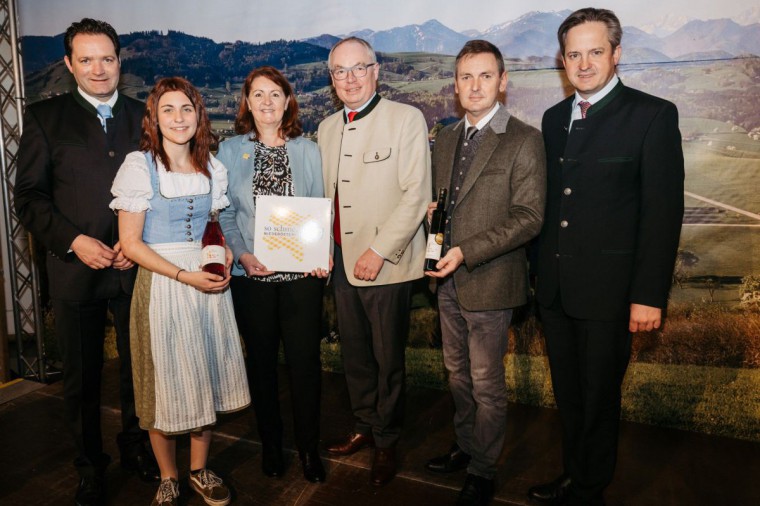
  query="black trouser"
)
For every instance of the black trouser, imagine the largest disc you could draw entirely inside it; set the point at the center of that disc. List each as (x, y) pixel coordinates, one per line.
(290, 311)
(373, 322)
(80, 328)
(588, 360)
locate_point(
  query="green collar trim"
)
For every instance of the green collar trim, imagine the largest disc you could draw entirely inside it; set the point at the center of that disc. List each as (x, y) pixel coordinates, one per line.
(614, 92)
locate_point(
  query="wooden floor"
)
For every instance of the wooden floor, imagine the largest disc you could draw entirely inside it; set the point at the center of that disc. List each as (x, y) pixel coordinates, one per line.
(657, 467)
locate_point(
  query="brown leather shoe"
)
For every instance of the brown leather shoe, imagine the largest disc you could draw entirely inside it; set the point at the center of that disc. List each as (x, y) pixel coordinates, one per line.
(383, 466)
(351, 444)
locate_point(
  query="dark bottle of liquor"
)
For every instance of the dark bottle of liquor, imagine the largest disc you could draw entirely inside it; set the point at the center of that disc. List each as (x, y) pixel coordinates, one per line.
(435, 235)
(213, 253)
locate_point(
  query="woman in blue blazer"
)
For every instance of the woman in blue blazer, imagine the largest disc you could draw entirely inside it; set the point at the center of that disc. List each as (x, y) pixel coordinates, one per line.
(270, 157)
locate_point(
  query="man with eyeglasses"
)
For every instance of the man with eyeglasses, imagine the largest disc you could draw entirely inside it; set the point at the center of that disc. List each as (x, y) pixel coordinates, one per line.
(376, 165)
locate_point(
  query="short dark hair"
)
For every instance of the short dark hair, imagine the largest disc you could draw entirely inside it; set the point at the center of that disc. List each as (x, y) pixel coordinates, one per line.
(588, 15)
(291, 124)
(478, 46)
(91, 27)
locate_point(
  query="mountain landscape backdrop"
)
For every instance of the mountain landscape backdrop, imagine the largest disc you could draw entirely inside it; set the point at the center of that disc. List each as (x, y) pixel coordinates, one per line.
(702, 369)
(709, 68)
(532, 35)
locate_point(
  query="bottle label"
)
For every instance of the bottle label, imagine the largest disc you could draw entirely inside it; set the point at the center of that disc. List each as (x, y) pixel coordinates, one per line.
(212, 255)
(434, 246)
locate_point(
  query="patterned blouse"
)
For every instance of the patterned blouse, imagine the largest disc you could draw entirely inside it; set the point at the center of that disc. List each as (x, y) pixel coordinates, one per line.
(273, 176)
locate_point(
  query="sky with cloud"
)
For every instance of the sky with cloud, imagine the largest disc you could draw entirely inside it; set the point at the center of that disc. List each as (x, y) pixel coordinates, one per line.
(264, 20)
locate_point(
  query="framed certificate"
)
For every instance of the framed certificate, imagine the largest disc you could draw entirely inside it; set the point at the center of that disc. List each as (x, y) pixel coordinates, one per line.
(292, 234)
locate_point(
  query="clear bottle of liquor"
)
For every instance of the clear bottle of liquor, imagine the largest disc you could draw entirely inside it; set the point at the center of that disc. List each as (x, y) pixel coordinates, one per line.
(435, 236)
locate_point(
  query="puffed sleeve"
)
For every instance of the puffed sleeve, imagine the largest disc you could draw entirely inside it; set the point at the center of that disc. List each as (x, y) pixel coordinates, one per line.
(219, 184)
(131, 187)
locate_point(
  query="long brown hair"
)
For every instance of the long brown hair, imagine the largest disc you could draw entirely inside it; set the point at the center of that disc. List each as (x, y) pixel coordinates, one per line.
(291, 125)
(152, 139)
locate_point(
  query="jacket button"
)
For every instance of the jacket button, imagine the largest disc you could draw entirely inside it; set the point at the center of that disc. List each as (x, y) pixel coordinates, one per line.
(190, 208)
(189, 239)
(188, 226)
(190, 201)
(561, 160)
(567, 191)
(563, 223)
(187, 219)
(111, 154)
(556, 255)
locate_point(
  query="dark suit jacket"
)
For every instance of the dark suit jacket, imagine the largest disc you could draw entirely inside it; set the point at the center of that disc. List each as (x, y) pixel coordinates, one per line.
(66, 165)
(614, 205)
(499, 209)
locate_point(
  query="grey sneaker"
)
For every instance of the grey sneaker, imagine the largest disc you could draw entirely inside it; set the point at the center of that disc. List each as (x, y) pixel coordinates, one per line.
(168, 493)
(210, 487)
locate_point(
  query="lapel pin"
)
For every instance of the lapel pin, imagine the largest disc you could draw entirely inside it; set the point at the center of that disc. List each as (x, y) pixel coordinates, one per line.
(246, 156)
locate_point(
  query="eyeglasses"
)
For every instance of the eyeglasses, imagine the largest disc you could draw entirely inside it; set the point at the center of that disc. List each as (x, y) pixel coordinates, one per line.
(360, 70)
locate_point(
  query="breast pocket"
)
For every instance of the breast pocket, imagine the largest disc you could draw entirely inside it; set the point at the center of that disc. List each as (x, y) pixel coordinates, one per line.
(64, 149)
(376, 155)
(613, 174)
(616, 159)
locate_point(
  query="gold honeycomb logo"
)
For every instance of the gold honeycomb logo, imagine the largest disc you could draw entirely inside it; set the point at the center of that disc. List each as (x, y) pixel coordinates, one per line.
(286, 235)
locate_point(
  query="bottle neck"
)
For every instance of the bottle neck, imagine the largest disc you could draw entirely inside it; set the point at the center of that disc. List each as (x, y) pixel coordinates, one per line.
(441, 200)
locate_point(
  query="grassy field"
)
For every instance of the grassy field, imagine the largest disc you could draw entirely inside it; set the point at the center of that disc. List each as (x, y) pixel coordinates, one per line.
(714, 76)
(721, 401)
(695, 292)
(426, 85)
(723, 178)
(420, 59)
(722, 251)
(701, 372)
(723, 165)
(538, 79)
(712, 400)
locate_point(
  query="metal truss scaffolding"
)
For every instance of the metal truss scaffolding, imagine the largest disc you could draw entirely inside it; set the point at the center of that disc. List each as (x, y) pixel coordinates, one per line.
(21, 273)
